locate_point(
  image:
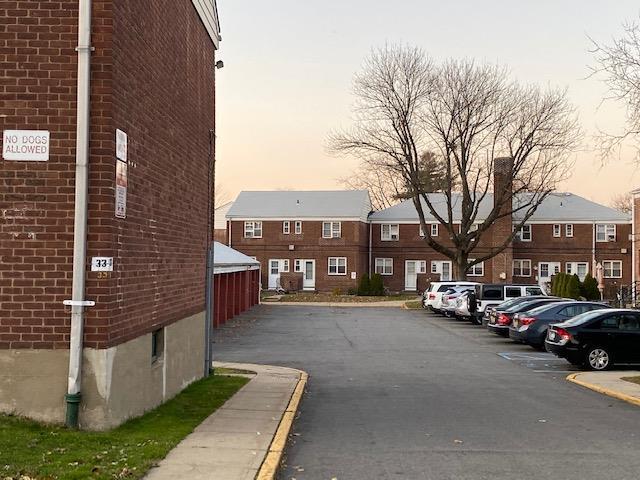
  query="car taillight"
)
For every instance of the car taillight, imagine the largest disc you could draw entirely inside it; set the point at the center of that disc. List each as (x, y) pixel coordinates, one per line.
(432, 296)
(527, 320)
(563, 334)
(503, 319)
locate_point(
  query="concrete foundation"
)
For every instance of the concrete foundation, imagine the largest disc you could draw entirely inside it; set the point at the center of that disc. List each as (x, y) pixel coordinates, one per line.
(117, 383)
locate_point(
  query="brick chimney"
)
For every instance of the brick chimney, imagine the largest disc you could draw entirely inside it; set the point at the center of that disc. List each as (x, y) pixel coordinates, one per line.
(501, 264)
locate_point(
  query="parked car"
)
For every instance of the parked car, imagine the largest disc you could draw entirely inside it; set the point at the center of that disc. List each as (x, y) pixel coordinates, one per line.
(432, 297)
(531, 327)
(500, 320)
(491, 311)
(597, 340)
(490, 295)
(450, 297)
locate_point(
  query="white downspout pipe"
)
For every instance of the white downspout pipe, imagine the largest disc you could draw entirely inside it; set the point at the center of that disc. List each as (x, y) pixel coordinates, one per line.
(80, 222)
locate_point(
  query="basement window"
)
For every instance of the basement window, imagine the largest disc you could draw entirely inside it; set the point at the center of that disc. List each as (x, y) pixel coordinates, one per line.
(157, 345)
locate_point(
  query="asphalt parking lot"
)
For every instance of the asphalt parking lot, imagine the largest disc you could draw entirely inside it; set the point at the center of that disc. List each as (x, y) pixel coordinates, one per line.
(405, 394)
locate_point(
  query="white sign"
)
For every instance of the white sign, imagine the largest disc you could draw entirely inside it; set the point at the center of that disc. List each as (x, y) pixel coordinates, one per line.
(121, 145)
(102, 264)
(353, 275)
(121, 189)
(25, 145)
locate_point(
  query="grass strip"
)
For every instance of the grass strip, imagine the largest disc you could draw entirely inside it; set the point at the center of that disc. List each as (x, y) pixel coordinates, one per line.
(42, 451)
(632, 379)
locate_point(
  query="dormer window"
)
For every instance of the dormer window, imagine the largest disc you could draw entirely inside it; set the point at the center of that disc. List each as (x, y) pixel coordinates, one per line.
(390, 232)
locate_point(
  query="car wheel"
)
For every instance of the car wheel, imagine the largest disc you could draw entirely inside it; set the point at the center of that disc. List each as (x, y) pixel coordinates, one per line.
(598, 358)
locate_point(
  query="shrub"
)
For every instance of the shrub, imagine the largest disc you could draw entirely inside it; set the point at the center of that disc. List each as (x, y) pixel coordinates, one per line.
(336, 292)
(556, 284)
(562, 285)
(376, 286)
(590, 288)
(365, 285)
(573, 287)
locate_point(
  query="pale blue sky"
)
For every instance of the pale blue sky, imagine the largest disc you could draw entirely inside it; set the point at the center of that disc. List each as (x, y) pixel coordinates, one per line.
(289, 66)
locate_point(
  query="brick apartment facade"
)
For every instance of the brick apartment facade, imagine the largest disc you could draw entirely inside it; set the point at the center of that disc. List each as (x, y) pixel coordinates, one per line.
(152, 76)
(567, 233)
(291, 240)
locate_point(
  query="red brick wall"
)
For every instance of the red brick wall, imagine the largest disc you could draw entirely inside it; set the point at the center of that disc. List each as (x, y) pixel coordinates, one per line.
(309, 245)
(153, 77)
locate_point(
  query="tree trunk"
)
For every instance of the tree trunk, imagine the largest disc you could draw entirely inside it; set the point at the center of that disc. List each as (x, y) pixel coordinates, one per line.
(460, 267)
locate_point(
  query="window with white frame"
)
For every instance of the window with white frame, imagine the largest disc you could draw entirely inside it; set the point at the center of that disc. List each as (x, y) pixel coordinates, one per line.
(298, 227)
(384, 266)
(434, 267)
(389, 231)
(297, 266)
(252, 229)
(434, 229)
(331, 229)
(285, 265)
(286, 227)
(568, 230)
(579, 268)
(337, 265)
(524, 233)
(612, 268)
(605, 232)
(421, 266)
(521, 268)
(476, 270)
(557, 230)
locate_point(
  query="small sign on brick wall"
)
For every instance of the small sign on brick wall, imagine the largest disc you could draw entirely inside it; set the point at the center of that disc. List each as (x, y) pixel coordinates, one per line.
(102, 264)
(25, 145)
(121, 189)
(121, 145)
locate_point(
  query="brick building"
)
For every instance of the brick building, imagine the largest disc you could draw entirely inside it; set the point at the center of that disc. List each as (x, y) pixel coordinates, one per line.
(321, 237)
(567, 233)
(151, 77)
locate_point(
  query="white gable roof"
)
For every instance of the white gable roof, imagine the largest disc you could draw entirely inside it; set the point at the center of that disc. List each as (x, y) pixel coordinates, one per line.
(297, 205)
(557, 207)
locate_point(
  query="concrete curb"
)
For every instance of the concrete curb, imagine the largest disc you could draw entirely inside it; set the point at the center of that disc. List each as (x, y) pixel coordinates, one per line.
(573, 378)
(271, 462)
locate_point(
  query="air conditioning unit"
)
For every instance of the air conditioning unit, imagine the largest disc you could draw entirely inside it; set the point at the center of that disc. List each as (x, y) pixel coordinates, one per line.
(292, 247)
(623, 250)
(394, 236)
(611, 238)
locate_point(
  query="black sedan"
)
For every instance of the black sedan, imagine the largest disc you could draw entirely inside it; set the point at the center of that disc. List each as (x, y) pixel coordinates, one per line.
(500, 320)
(492, 311)
(597, 340)
(531, 327)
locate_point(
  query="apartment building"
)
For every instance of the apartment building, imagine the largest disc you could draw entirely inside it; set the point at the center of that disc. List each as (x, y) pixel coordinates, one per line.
(132, 308)
(320, 236)
(567, 233)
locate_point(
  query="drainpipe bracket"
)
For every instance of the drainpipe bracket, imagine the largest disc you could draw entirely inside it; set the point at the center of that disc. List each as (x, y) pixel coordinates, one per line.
(81, 48)
(79, 303)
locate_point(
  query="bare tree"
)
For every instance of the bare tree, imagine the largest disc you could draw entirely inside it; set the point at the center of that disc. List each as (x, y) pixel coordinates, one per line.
(619, 63)
(384, 187)
(622, 202)
(468, 114)
(220, 196)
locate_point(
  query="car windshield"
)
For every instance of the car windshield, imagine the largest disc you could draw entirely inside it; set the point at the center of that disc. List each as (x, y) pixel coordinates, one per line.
(542, 308)
(527, 306)
(508, 303)
(583, 318)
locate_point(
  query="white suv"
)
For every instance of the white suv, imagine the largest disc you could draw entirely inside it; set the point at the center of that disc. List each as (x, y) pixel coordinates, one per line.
(432, 297)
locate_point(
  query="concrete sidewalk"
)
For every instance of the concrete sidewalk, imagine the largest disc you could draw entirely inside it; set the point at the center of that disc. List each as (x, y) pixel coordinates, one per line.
(244, 438)
(610, 383)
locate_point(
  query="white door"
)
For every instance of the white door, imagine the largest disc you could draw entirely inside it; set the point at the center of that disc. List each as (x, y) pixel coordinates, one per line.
(410, 275)
(308, 274)
(546, 270)
(445, 276)
(274, 273)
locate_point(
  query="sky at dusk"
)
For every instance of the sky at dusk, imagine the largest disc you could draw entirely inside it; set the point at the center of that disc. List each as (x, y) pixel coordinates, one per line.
(289, 66)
